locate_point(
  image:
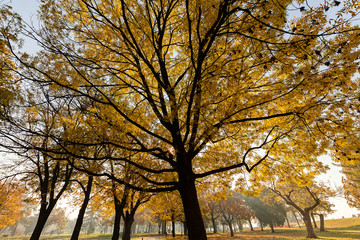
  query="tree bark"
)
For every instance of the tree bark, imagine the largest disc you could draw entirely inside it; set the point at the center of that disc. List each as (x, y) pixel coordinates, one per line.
(309, 226)
(250, 224)
(164, 227)
(322, 223)
(231, 229)
(313, 219)
(272, 228)
(128, 221)
(117, 219)
(43, 216)
(80, 218)
(213, 220)
(173, 225)
(296, 219)
(240, 225)
(287, 220)
(193, 216)
(185, 228)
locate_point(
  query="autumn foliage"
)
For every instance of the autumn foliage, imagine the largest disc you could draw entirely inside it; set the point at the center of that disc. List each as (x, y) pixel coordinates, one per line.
(178, 92)
(11, 204)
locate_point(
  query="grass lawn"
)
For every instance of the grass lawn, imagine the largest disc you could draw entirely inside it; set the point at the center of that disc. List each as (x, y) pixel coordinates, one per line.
(337, 229)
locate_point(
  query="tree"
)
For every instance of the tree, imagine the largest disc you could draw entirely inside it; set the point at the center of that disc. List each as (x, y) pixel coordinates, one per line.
(324, 208)
(233, 209)
(167, 207)
(11, 193)
(211, 192)
(294, 180)
(79, 221)
(173, 79)
(268, 212)
(10, 25)
(211, 205)
(91, 220)
(57, 218)
(346, 151)
(303, 210)
(46, 173)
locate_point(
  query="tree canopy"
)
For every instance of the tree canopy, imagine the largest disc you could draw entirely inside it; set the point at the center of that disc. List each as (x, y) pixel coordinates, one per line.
(181, 90)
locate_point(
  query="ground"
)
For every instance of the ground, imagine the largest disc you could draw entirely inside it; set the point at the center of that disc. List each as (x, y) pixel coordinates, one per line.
(337, 229)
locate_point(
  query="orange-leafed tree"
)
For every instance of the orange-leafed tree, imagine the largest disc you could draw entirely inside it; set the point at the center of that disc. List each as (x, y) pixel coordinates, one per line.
(11, 202)
(346, 153)
(173, 80)
(294, 180)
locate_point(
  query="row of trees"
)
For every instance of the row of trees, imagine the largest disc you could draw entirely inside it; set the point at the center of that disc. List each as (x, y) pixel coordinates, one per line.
(138, 98)
(218, 208)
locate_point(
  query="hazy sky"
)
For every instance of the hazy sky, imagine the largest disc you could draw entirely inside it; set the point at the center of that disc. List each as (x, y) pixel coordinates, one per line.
(27, 9)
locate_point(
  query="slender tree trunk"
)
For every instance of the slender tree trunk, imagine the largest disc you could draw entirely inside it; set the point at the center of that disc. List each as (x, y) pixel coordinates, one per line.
(240, 225)
(296, 219)
(231, 229)
(313, 219)
(193, 216)
(272, 228)
(213, 220)
(13, 230)
(148, 228)
(322, 223)
(250, 224)
(43, 217)
(80, 218)
(173, 225)
(287, 220)
(164, 227)
(309, 226)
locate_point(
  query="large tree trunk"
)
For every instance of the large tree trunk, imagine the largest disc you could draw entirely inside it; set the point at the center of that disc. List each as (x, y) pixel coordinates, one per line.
(313, 219)
(309, 226)
(117, 219)
(128, 221)
(322, 223)
(80, 218)
(43, 217)
(194, 220)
